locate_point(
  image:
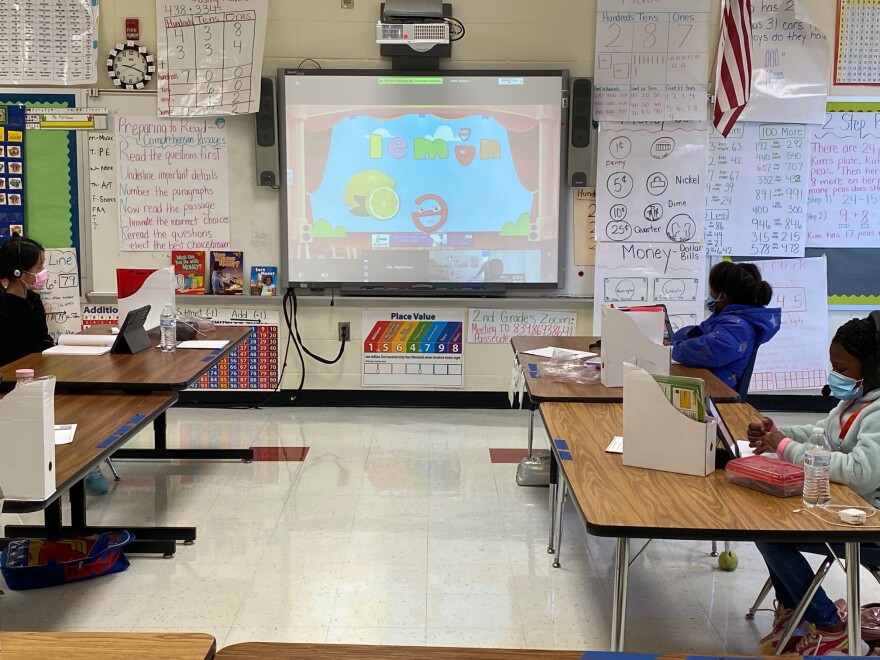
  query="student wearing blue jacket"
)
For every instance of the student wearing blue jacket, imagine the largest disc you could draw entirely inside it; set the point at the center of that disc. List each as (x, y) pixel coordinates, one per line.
(740, 321)
(853, 429)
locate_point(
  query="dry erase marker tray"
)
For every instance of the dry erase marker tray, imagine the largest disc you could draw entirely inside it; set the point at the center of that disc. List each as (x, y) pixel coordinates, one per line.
(767, 475)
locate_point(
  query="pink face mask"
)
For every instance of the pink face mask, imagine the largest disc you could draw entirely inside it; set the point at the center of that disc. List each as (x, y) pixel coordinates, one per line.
(40, 280)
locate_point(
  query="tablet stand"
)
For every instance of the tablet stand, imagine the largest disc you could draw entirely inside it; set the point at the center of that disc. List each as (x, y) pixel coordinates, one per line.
(131, 340)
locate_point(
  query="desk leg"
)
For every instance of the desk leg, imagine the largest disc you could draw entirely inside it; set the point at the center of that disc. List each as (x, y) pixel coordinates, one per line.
(52, 519)
(618, 607)
(561, 490)
(531, 427)
(160, 448)
(554, 489)
(853, 598)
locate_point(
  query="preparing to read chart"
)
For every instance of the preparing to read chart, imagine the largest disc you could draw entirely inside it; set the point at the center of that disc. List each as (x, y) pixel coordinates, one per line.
(857, 60)
(651, 63)
(210, 56)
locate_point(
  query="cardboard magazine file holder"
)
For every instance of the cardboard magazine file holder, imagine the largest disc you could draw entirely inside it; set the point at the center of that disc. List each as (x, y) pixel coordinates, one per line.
(623, 340)
(657, 436)
(27, 441)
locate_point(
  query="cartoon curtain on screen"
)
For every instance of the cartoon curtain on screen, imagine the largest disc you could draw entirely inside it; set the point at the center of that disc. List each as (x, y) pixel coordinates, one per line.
(428, 170)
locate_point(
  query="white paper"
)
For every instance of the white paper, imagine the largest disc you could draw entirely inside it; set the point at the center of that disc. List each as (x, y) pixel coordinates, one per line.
(797, 357)
(746, 450)
(756, 192)
(790, 61)
(652, 60)
(64, 433)
(87, 340)
(499, 326)
(156, 291)
(410, 347)
(853, 64)
(77, 350)
(203, 343)
(210, 56)
(616, 446)
(48, 43)
(173, 183)
(651, 182)
(555, 352)
(61, 298)
(843, 208)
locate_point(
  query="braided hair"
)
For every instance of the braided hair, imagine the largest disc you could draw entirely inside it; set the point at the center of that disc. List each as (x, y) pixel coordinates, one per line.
(858, 337)
(741, 282)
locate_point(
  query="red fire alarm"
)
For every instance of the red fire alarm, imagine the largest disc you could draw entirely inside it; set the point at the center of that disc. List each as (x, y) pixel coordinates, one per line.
(132, 29)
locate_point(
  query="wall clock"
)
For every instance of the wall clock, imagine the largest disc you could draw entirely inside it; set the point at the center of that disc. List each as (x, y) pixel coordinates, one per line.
(130, 66)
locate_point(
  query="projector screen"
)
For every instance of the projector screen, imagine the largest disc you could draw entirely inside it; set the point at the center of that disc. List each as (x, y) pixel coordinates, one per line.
(449, 177)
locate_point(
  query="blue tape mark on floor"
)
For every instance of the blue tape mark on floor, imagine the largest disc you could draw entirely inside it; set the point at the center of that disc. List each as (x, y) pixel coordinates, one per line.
(533, 370)
(561, 444)
(564, 455)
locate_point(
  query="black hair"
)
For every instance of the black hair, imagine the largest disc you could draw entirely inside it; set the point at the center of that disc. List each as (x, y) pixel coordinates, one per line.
(18, 254)
(217, 266)
(858, 337)
(741, 282)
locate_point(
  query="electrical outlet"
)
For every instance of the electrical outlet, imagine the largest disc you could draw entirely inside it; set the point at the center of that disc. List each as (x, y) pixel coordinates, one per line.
(344, 331)
(348, 4)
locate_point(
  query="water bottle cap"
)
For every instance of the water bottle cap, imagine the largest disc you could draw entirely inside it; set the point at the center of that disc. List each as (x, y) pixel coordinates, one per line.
(24, 373)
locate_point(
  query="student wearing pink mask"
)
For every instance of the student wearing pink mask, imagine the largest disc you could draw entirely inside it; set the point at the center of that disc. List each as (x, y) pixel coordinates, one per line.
(23, 327)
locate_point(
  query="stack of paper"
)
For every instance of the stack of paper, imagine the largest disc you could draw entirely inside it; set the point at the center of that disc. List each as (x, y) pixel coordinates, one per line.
(82, 345)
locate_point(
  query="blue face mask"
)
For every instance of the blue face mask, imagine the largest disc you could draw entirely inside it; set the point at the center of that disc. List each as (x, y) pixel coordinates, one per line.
(844, 387)
(710, 303)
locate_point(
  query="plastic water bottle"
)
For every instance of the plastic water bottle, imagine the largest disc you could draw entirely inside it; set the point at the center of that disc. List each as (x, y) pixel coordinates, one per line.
(817, 469)
(23, 376)
(168, 327)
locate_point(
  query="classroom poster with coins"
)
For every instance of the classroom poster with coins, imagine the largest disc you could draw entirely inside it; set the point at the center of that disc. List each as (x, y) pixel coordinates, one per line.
(12, 195)
(413, 347)
(650, 218)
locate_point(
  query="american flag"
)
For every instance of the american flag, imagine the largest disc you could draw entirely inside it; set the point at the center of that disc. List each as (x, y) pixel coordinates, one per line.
(733, 84)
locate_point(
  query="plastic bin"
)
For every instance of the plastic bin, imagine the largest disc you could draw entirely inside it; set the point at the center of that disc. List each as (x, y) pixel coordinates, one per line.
(767, 475)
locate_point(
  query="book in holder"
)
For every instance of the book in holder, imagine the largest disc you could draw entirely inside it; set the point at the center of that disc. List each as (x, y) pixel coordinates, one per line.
(132, 337)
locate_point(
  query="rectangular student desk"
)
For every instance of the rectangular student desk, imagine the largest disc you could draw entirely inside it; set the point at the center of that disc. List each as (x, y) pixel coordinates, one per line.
(279, 651)
(104, 422)
(543, 390)
(624, 502)
(150, 370)
(92, 646)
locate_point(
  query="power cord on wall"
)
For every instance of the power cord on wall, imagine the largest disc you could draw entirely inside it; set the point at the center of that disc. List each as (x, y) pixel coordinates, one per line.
(290, 304)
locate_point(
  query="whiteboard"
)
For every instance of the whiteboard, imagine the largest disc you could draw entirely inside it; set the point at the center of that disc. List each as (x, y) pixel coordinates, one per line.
(254, 210)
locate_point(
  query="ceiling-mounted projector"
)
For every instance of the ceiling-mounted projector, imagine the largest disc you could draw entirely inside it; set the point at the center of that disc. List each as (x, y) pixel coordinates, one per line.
(416, 23)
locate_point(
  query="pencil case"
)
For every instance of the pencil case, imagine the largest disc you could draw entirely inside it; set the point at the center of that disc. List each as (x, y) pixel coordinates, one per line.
(767, 475)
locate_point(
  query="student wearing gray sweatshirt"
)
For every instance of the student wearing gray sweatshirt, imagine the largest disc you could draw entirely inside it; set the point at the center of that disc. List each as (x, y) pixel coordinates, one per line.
(853, 429)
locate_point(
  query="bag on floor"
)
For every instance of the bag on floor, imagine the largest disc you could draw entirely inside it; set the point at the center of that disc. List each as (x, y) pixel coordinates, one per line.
(870, 616)
(534, 471)
(38, 563)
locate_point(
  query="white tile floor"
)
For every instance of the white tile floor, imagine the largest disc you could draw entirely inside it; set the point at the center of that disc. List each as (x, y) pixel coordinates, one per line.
(397, 529)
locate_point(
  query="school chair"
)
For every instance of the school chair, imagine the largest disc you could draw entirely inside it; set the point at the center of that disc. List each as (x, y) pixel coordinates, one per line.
(113, 469)
(869, 557)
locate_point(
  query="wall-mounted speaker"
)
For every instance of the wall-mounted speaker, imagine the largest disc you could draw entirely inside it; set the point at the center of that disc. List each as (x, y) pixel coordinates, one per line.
(534, 232)
(581, 135)
(267, 136)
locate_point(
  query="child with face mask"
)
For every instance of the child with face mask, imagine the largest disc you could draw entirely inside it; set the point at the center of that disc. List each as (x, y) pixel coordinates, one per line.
(23, 328)
(853, 429)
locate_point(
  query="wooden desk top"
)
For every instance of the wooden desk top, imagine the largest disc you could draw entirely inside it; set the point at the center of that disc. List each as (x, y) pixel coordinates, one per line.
(88, 646)
(623, 501)
(544, 389)
(150, 369)
(104, 422)
(349, 652)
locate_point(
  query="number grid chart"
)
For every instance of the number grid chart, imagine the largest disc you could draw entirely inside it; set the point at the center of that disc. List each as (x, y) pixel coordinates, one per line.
(210, 56)
(857, 51)
(413, 352)
(251, 366)
(757, 190)
(651, 65)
